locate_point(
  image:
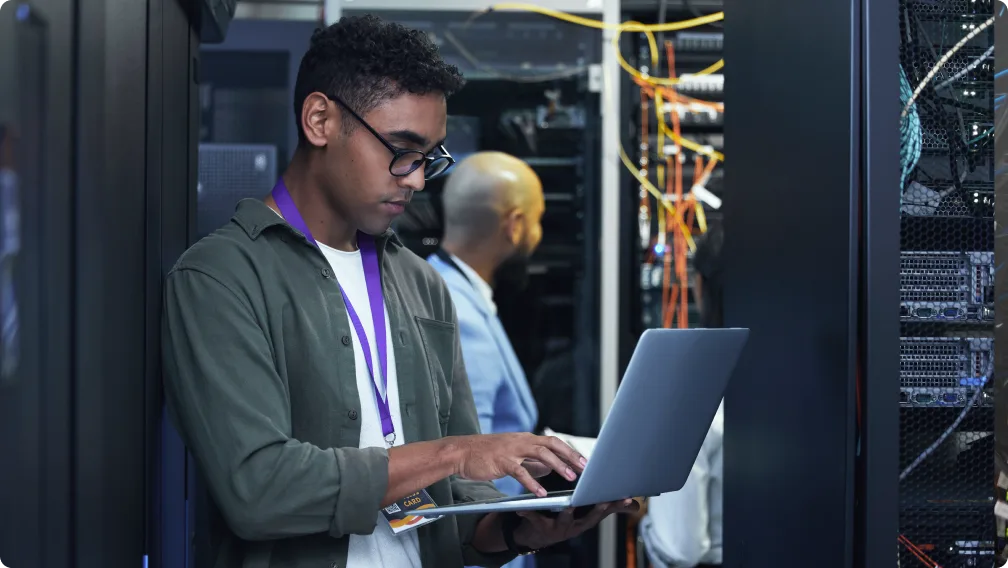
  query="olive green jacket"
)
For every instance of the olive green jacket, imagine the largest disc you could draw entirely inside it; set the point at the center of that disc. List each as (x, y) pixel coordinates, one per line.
(260, 382)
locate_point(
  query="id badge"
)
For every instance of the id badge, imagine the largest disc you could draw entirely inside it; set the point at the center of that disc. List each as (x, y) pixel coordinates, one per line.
(398, 517)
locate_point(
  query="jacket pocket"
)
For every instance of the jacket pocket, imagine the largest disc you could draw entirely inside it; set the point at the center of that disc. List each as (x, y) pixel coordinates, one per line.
(439, 349)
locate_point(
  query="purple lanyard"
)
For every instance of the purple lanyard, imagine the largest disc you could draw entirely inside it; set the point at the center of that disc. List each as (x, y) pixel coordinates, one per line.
(372, 276)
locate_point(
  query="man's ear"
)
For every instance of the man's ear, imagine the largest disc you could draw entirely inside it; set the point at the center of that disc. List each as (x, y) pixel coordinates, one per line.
(516, 227)
(318, 118)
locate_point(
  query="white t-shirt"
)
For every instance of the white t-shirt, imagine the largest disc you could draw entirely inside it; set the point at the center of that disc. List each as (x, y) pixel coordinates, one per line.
(683, 528)
(381, 548)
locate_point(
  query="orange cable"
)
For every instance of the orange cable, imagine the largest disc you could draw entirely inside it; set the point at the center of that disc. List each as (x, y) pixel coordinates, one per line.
(645, 105)
(917, 552)
(679, 241)
(671, 95)
(675, 274)
(668, 252)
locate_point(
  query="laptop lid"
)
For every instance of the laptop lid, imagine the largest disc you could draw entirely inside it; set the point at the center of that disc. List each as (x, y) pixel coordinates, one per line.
(663, 408)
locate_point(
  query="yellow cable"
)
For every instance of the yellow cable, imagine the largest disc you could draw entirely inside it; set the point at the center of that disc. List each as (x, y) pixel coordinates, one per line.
(648, 30)
(687, 143)
(653, 47)
(701, 217)
(600, 25)
(646, 183)
(716, 66)
(663, 129)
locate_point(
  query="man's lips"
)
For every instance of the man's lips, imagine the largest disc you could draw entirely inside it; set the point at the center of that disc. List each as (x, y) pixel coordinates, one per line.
(395, 206)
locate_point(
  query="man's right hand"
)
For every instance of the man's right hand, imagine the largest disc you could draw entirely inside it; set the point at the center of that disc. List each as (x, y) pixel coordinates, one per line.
(521, 455)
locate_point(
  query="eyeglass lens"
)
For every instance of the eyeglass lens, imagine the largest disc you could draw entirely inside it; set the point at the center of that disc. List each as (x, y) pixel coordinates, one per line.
(409, 162)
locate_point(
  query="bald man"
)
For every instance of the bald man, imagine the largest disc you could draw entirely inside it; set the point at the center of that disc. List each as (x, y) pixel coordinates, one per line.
(493, 206)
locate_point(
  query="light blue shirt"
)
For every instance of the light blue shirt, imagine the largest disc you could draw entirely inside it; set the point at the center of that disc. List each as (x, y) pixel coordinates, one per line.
(503, 398)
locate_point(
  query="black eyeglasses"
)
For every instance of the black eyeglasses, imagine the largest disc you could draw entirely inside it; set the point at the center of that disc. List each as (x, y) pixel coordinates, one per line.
(405, 162)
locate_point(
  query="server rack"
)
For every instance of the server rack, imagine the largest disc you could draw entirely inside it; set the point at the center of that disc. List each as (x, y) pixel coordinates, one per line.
(946, 282)
(649, 251)
(694, 50)
(1001, 290)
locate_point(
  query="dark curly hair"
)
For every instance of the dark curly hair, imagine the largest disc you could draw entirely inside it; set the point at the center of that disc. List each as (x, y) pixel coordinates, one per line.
(365, 60)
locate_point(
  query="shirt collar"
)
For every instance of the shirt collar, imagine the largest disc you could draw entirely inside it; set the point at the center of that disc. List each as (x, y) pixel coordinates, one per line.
(481, 285)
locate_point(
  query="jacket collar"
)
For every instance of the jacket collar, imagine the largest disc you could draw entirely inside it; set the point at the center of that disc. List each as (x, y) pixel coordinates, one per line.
(254, 217)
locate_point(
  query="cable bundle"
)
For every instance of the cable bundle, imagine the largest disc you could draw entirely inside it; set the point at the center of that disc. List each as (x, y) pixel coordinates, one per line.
(910, 132)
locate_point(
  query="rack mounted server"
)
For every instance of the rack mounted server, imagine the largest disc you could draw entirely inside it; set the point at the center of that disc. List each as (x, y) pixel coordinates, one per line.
(947, 286)
(947, 273)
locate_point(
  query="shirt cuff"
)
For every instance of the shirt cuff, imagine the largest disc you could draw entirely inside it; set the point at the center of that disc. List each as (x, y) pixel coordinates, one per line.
(363, 483)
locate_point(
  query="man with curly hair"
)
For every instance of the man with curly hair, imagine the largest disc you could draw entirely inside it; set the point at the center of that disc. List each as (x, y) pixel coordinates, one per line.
(312, 363)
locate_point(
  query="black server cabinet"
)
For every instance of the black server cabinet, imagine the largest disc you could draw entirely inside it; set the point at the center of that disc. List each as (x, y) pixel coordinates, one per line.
(34, 291)
(946, 409)
(97, 171)
(134, 175)
(810, 259)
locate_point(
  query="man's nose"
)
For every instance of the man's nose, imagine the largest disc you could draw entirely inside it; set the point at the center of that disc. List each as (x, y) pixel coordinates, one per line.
(415, 181)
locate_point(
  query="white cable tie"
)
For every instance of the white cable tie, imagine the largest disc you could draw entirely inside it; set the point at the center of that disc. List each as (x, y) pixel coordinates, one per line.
(702, 194)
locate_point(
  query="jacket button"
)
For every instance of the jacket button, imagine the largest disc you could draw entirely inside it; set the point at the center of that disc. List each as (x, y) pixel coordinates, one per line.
(345, 339)
(352, 414)
(326, 272)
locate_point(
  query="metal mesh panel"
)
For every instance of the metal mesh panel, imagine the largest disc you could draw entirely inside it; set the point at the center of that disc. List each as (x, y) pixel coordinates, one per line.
(946, 289)
(229, 173)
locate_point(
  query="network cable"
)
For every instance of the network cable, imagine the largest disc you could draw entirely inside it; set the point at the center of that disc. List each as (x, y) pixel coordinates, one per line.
(600, 25)
(941, 63)
(648, 29)
(669, 174)
(955, 423)
(962, 73)
(910, 133)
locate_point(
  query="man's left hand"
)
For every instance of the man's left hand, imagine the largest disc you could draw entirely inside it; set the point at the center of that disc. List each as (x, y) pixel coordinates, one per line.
(538, 531)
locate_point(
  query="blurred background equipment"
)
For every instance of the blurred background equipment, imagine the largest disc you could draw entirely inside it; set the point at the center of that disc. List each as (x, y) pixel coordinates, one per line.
(529, 94)
(229, 173)
(947, 273)
(34, 289)
(672, 101)
(674, 156)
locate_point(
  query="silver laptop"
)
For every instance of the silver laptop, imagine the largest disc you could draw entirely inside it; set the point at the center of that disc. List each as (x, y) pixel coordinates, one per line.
(663, 408)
